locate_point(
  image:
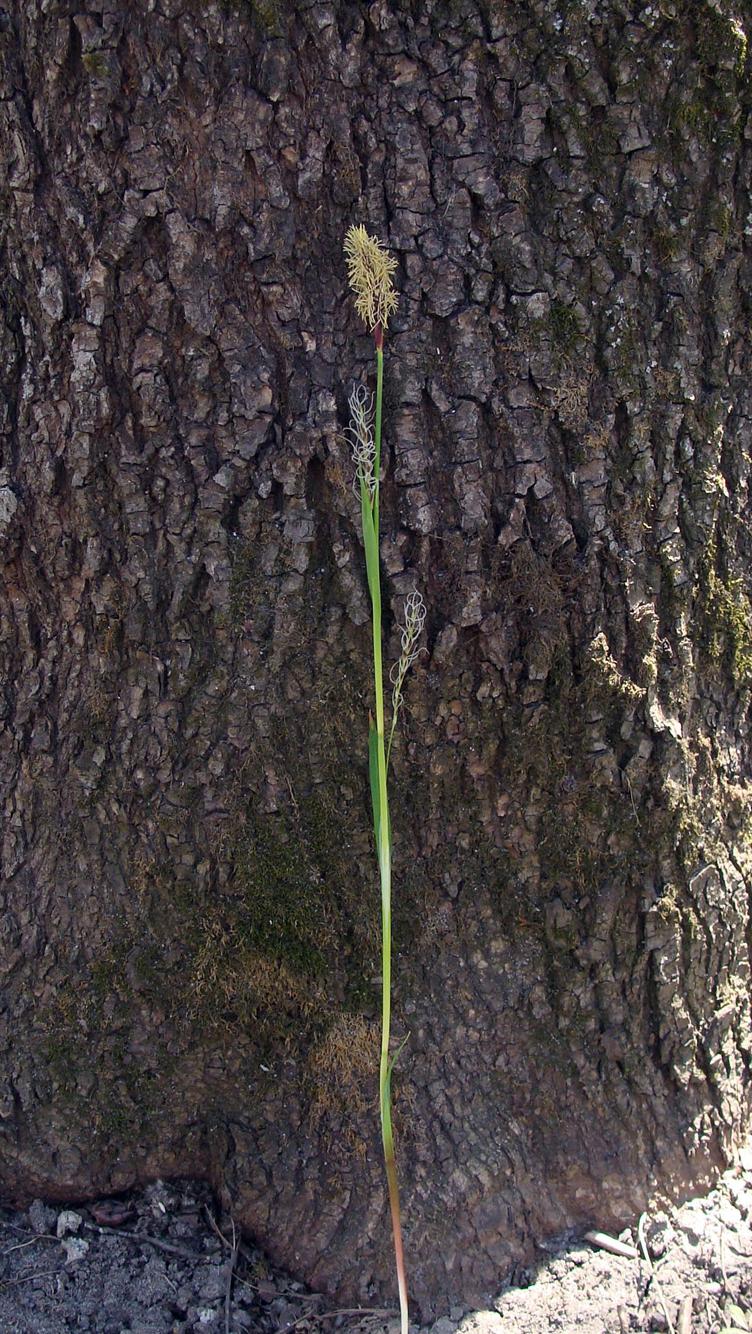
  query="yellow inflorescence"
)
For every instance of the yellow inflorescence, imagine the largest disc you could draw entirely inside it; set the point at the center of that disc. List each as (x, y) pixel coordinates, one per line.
(370, 268)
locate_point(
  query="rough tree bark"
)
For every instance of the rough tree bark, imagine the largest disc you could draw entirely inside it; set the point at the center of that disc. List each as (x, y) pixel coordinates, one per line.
(189, 905)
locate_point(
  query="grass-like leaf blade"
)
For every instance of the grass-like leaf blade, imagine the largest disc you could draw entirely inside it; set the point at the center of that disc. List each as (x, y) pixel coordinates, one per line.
(371, 545)
(373, 773)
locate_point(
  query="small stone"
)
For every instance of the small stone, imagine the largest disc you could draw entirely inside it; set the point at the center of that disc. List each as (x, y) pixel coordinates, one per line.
(75, 1249)
(209, 1282)
(729, 1215)
(241, 1319)
(482, 1322)
(68, 1221)
(41, 1217)
(692, 1223)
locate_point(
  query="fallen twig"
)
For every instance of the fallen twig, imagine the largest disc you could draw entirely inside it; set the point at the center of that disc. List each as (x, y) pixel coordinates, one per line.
(331, 1315)
(27, 1231)
(612, 1244)
(179, 1251)
(25, 1278)
(217, 1230)
(21, 1245)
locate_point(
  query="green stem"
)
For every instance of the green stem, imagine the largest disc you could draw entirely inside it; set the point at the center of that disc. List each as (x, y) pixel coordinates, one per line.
(384, 854)
(377, 437)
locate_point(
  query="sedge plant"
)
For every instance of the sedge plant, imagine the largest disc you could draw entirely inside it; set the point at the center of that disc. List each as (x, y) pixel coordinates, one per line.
(370, 272)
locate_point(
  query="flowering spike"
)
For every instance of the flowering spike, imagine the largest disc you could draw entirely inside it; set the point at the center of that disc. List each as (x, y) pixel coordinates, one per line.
(415, 615)
(370, 269)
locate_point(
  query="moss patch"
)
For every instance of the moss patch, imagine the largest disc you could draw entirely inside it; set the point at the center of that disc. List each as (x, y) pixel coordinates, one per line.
(725, 619)
(564, 327)
(606, 675)
(122, 1092)
(285, 909)
(288, 938)
(711, 103)
(268, 16)
(721, 40)
(95, 64)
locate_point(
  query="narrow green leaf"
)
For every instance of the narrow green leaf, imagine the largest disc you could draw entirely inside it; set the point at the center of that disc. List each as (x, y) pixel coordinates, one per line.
(390, 1068)
(371, 545)
(373, 773)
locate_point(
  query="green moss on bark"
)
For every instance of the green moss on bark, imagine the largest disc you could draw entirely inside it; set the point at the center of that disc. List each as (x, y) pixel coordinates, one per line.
(725, 614)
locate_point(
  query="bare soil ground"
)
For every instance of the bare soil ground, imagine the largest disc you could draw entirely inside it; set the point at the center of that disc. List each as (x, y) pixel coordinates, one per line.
(159, 1262)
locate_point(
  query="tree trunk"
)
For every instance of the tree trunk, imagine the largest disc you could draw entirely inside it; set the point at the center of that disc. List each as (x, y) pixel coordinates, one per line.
(189, 895)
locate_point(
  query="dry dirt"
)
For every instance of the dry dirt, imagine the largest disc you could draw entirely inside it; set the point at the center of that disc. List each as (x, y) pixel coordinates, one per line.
(158, 1263)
